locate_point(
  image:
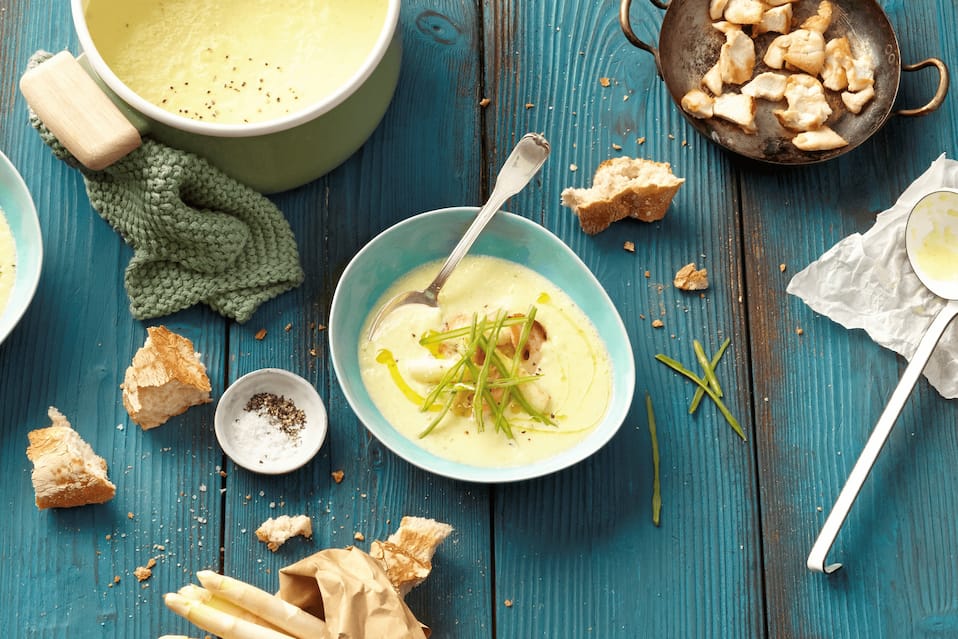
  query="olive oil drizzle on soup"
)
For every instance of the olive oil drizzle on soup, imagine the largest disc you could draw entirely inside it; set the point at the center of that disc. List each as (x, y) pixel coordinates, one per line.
(575, 374)
(234, 61)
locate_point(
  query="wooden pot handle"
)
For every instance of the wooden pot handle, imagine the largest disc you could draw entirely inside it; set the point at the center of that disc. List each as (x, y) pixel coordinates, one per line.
(77, 111)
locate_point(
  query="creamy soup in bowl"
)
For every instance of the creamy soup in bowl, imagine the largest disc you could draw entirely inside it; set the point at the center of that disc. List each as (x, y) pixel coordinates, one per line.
(508, 371)
(579, 397)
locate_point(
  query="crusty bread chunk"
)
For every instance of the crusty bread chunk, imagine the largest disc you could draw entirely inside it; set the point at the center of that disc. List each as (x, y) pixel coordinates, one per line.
(66, 471)
(165, 378)
(623, 187)
(407, 553)
(275, 532)
(689, 278)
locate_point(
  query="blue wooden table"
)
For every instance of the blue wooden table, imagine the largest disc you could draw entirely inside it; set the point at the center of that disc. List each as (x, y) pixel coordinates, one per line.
(574, 554)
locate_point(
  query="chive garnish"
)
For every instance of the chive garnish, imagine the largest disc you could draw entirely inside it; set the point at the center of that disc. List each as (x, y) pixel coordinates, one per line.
(479, 379)
(699, 393)
(701, 383)
(656, 486)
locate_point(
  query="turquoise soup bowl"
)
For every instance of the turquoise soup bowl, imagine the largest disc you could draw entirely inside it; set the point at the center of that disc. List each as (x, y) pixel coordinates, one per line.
(402, 248)
(21, 215)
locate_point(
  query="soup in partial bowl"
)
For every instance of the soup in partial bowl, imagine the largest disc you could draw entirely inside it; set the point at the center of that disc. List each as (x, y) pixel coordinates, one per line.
(525, 367)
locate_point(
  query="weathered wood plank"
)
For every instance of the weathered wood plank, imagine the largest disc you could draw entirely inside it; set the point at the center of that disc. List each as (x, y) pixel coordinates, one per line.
(826, 388)
(71, 351)
(576, 553)
(424, 155)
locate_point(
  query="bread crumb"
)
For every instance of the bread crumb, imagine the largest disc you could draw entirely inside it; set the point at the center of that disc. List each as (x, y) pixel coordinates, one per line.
(629, 246)
(671, 137)
(142, 573)
(604, 82)
(799, 331)
(657, 323)
(358, 536)
(130, 515)
(648, 274)
(529, 105)
(337, 476)
(313, 352)
(573, 167)
(782, 267)
(260, 334)
(641, 316)
(617, 147)
(288, 328)
(689, 279)
(507, 603)
(485, 102)
(275, 532)
(116, 579)
(640, 141)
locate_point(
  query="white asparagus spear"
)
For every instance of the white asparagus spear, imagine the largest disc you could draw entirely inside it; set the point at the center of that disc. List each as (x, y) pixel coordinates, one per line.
(196, 593)
(218, 622)
(272, 609)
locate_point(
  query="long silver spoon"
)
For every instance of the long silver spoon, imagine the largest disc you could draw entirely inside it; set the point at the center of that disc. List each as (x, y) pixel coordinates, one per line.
(523, 163)
(932, 247)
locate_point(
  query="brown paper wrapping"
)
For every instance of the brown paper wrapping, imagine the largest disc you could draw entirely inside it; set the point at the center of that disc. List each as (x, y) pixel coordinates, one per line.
(351, 591)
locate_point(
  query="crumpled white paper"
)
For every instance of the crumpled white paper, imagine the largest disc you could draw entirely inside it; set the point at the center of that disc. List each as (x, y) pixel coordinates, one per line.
(866, 281)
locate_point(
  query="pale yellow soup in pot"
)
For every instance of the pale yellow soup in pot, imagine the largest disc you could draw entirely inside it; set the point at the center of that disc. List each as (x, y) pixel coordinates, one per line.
(561, 369)
(234, 61)
(8, 262)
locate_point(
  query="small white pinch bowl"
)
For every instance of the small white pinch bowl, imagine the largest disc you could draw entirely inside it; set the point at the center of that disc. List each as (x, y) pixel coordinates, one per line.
(231, 407)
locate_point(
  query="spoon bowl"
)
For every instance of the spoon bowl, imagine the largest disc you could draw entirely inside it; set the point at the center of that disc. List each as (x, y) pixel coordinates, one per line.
(931, 241)
(523, 163)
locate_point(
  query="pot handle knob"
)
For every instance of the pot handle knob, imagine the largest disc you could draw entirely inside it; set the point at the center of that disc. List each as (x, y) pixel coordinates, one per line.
(87, 122)
(626, 24)
(943, 81)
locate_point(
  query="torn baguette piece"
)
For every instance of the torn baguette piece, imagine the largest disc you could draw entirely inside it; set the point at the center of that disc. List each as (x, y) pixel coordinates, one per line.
(805, 51)
(775, 20)
(406, 555)
(623, 187)
(165, 379)
(856, 101)
(807, 106)
(744, 11)
(66, 470)
(737, 57)
(276, 532)
(822, 19)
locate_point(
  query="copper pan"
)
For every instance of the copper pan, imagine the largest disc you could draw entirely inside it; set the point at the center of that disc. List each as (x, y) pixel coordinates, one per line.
(689, 45)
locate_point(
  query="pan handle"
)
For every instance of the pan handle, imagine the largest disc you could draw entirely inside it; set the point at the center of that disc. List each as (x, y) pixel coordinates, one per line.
(939, 94)
(626, 23)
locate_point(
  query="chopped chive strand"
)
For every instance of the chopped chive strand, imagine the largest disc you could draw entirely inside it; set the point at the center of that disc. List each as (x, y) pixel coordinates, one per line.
(656, 486)
(434, 338)
(678, 368)
(699, 393)
(442, 413)
(706, 367)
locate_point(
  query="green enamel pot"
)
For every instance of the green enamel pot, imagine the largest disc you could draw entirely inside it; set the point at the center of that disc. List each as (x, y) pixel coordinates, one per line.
(271, 155)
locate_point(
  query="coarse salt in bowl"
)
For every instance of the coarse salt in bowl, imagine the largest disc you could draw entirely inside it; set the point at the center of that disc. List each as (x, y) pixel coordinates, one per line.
(270, 421)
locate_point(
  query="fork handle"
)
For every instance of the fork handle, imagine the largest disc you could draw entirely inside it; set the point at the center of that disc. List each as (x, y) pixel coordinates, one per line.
(818, 555)
(520, 167)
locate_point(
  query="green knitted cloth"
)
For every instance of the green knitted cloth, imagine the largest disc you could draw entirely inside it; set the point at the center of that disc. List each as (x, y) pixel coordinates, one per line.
(197, 234)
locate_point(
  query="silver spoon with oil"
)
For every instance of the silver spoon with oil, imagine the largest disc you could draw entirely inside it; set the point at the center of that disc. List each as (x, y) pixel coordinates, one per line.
(931, 241)
(520, 167)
